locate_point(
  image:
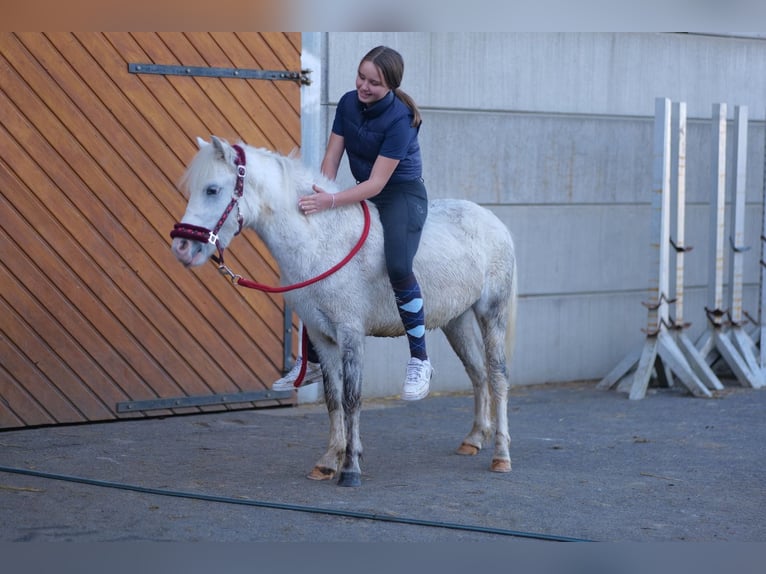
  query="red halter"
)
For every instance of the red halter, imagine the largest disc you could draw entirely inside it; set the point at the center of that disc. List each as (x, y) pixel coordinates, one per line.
(197, 233)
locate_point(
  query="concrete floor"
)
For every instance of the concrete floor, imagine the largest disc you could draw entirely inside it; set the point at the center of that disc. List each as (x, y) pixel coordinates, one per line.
(587, 464)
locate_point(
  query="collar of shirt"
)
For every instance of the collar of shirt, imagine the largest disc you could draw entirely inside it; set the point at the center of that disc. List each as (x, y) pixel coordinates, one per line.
(378, 107)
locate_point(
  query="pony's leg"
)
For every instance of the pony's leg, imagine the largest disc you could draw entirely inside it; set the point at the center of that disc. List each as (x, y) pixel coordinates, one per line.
(352, 348)
(493, 326)
(464, 338)
(327, 466)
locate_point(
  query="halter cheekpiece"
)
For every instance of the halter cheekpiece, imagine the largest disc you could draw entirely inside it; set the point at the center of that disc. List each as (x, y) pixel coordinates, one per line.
(197, 233)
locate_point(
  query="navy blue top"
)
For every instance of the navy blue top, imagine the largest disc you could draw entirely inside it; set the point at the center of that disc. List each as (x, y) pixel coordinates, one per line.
(384, 128)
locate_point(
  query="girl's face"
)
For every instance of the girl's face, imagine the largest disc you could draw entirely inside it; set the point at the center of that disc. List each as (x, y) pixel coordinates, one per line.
(370, 86)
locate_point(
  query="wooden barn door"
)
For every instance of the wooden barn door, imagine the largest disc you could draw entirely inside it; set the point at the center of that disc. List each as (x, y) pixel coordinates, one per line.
(96, 316)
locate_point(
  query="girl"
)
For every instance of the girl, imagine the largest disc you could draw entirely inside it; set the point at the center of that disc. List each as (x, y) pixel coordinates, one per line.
(377, 126)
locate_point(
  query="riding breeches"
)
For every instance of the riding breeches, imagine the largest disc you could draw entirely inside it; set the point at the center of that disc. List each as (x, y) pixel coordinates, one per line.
(403, 208)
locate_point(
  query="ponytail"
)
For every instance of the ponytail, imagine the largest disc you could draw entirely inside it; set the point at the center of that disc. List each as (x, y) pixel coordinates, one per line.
(391, 66)
(410, 103)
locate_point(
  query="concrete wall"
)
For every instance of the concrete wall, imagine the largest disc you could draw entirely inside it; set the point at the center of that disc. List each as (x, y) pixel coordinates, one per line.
(554, 132)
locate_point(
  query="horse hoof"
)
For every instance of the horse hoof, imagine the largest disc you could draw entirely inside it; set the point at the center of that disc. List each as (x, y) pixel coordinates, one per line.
(350, 479)
(466, 449)
(501, 465)
(321, 473)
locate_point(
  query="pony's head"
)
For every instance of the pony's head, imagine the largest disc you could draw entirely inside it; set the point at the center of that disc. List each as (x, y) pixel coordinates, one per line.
(213, 183)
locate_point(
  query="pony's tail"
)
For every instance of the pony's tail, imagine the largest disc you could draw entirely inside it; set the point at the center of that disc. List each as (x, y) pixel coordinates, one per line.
(510, 326)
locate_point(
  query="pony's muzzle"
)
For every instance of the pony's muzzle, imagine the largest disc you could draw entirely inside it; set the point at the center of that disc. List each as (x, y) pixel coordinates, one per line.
(189, 252)
(192, 245)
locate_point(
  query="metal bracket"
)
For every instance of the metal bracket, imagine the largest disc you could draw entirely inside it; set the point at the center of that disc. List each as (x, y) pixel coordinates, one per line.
(301, 77)
(736, 248)
(658, 304)
(199, 401)
(715, 316)
(679, 248)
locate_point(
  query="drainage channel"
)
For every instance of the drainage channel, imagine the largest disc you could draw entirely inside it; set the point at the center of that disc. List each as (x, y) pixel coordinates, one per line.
(293, 507)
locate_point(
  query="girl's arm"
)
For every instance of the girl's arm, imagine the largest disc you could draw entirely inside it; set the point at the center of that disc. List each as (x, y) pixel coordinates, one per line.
(321, 200)
(332, 156)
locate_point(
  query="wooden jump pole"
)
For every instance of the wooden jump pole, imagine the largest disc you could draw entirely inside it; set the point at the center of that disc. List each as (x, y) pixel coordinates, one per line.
(725, 334)
(660, 350)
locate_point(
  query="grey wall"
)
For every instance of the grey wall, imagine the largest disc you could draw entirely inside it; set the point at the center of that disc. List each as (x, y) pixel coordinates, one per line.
(554, 133)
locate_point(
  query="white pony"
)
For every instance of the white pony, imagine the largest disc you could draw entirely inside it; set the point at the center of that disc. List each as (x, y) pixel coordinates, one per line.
(466, 267)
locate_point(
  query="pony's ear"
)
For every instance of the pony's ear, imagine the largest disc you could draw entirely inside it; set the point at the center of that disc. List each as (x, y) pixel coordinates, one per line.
(223, 150)
(201, 143)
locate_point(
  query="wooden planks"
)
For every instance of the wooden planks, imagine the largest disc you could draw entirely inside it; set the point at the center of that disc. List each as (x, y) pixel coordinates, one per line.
(95, 310)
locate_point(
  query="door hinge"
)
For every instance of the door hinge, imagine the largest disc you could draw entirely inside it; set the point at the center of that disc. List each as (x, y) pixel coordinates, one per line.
(301, 77)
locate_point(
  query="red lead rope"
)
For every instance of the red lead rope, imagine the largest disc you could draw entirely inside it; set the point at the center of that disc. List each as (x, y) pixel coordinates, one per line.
(242, 282)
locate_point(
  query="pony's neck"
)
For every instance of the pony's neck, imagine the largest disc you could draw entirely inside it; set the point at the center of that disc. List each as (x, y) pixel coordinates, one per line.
(295, 240)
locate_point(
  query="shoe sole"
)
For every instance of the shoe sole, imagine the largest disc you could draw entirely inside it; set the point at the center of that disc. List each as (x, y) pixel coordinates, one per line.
(292, 387)
(421, 394)
(417, 397)
(282, 388)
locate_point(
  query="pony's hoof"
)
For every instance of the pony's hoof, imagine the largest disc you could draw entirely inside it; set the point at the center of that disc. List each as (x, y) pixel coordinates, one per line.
(321, 473)
(350, 479)
(501, 465)
(466, 449)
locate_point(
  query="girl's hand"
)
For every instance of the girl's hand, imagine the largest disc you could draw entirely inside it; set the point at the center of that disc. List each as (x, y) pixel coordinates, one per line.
(319, 201)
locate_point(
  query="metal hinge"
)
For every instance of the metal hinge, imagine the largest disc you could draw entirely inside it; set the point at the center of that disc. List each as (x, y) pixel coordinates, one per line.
(200, 401)
(301, 77)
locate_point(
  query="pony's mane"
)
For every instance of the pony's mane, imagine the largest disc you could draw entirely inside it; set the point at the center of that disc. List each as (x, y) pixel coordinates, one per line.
(299, 173)
(201, 169)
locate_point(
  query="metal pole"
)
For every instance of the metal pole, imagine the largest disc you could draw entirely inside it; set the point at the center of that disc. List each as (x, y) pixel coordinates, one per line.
(679, 136)
(658, 241)
(737, 238)
(659, 344)
(660, 349)
(716, 338)
(739, 336)
(659, 263)
(762, 298)
(717, 210)
(714, 307)
(694, 358)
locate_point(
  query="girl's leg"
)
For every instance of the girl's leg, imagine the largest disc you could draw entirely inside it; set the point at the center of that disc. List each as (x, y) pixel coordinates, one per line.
(402, 214)
(410, 304)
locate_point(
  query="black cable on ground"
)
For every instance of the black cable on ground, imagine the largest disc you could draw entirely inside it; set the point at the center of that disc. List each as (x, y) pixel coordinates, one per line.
(293, 507)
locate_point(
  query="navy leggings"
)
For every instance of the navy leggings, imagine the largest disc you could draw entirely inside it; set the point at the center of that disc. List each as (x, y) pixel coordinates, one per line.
(403, 208)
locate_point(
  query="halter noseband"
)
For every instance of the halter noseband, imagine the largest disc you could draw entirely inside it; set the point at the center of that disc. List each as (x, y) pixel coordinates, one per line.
(203, 234)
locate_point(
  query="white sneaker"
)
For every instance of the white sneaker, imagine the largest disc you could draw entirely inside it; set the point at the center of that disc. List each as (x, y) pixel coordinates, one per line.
(418, 379)
(287, 383)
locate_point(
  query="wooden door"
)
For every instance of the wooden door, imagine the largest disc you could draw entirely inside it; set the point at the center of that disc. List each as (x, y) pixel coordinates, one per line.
(95, 311)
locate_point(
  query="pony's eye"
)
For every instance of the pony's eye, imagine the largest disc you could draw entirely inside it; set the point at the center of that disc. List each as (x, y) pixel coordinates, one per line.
(212, 190)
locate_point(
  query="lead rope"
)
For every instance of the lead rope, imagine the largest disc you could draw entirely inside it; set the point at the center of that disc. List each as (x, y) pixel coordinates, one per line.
(242, 282)
(304, 363)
